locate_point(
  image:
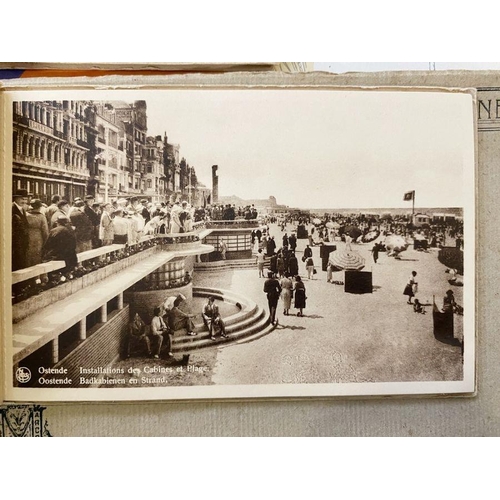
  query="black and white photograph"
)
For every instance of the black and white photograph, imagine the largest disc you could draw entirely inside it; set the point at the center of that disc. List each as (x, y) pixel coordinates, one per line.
(218, 243)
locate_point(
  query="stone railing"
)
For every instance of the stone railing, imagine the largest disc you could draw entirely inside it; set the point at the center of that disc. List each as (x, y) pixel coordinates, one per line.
(34, 280)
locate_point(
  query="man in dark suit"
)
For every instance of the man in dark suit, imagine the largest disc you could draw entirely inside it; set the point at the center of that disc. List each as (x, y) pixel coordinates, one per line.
(83, 227)
(20, 229)
(95, 219)
(61, 243)
(145, 212)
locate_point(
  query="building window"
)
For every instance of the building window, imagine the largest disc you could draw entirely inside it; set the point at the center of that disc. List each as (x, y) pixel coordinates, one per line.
(150, 184)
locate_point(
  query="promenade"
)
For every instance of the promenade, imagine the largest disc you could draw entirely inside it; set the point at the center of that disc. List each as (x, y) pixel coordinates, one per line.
(345, 337)
(342, 337)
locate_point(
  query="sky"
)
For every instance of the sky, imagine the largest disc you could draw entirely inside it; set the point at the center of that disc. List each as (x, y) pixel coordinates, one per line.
(322, 149)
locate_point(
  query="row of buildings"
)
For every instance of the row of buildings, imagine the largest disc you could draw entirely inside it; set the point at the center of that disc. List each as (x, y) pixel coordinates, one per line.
(75, 148)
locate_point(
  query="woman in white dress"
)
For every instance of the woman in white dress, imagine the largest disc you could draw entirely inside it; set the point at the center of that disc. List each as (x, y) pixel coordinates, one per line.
(286, 293)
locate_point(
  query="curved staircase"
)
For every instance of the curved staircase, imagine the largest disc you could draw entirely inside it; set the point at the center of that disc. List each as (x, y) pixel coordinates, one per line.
(226, 264)
(217, 265)
(249, 323)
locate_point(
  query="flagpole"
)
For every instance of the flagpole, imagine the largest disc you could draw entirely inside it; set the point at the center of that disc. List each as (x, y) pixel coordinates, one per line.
(413, 207)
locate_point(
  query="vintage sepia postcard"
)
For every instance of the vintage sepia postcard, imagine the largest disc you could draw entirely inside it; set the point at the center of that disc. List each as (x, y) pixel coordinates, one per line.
(177, 242)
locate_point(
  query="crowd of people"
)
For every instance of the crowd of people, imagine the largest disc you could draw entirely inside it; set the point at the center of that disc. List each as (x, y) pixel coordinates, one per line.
(63, 229)
(337, 227)
(226, 212)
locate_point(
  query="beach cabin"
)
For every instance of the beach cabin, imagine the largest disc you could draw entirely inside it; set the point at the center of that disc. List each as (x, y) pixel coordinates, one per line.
(438, 218)
(420, 220)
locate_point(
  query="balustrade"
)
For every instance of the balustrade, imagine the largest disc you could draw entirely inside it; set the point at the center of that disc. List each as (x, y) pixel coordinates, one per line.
(34, 280)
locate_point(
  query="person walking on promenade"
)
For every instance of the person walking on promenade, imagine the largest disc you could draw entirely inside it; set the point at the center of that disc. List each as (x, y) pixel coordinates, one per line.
(293, 265)
(272, 288)
(270, 246)
(375, 251)
(299, 292)
(329, 272)
(273, 263)
(286, 293)
(310, 268)
(38, 234)
(212, 318)
(411, 287)
(261, 260)
(307, 253)
(280, 264)
(286, 241)
(20, 230)
(292, 242)
(348, 241)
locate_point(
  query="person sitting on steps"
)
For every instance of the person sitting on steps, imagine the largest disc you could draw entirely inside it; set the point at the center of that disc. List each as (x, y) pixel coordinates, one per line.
(212, 319)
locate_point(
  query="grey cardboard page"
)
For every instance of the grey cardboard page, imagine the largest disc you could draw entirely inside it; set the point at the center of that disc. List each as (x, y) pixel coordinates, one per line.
(434, 416)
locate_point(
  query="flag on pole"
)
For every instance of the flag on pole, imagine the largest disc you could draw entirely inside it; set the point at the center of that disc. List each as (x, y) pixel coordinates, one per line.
(409, 196)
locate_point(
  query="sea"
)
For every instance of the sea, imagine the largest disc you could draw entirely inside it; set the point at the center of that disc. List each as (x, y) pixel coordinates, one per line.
(456, 211)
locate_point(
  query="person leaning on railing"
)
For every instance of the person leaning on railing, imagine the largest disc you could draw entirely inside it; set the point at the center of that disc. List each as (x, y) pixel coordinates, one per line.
(106, 227)
(120, 227)
(61, 244)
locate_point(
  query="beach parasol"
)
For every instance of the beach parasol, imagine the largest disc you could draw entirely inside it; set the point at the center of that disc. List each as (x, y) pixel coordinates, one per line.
(348, 261)
(316, 221)
(332, 225)
(395, 244)
(370, 236)
(353, 231)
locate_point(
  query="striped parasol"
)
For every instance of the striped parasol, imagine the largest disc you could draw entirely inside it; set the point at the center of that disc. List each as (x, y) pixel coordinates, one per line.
(348, 261)
(395, 244)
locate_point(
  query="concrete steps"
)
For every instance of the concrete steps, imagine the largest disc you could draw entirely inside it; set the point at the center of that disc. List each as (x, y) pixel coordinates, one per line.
(229, 264)
(251, 323)
(226, 264)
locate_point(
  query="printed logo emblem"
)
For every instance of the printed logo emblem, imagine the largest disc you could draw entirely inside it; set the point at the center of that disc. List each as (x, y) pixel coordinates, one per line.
(23, 375)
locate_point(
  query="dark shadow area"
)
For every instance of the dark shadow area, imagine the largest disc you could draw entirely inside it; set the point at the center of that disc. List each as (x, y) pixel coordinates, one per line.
(290, 327)
(450, 341)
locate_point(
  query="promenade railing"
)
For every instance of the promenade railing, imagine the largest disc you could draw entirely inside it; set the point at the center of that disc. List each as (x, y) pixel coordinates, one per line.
(33, 280)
